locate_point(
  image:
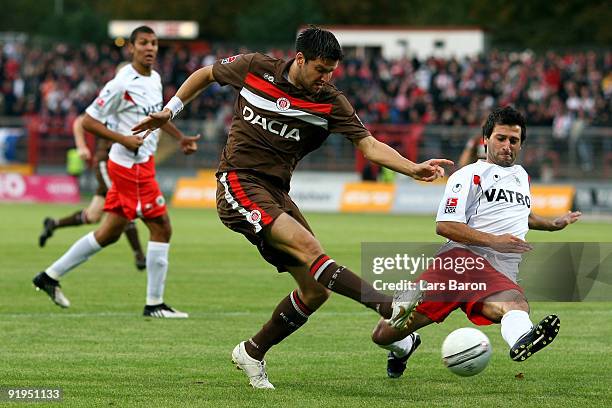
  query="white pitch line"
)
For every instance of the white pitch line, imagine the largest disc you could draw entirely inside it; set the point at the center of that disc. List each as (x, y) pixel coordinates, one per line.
(61, 314)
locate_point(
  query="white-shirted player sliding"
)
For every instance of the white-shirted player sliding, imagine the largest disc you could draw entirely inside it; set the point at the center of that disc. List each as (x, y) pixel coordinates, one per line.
(485, 214)
(134, 93)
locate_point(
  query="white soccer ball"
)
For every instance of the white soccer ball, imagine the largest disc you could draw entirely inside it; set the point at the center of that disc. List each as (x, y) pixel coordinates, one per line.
(466, 351)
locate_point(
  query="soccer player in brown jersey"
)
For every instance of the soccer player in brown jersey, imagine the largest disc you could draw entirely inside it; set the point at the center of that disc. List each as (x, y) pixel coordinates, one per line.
(94, 211)
(286, 109)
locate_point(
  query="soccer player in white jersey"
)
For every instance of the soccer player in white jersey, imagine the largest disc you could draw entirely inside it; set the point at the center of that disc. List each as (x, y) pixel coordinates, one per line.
(485, 214)
(128, 98)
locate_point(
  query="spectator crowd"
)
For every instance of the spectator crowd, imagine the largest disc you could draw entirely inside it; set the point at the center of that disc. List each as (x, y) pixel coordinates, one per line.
(552, 88)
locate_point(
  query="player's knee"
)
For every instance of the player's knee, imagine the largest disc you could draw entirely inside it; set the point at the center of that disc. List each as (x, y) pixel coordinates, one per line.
(162, 234)
(377, 335)
(108, 238)
(167, 234)
(93, 217)
(311, 248)
(380, 334)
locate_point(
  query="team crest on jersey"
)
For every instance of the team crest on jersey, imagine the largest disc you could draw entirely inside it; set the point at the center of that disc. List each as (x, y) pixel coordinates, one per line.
(229, 60)
(457, 188)
(283, 103)
(254, 216)
(451, 205)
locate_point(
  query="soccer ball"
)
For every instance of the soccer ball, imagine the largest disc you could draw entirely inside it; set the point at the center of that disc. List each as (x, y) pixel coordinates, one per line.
(466, 351)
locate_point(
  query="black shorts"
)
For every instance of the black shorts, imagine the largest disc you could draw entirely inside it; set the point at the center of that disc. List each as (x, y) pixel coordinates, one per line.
(104, 181)
(248, 204)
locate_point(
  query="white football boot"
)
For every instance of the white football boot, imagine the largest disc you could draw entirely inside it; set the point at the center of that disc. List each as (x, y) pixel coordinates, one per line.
(254, 369)
(403, 305)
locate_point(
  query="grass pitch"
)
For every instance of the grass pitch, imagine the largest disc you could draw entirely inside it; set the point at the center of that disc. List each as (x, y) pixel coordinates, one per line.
(102, 352)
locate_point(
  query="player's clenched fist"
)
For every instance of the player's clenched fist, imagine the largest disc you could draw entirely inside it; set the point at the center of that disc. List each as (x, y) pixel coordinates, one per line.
(132, 143)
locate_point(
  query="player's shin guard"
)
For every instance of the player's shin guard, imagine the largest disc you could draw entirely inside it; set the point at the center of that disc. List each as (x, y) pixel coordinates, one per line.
(157, 269)
(78, 253)
(340, 279)
(290, 314)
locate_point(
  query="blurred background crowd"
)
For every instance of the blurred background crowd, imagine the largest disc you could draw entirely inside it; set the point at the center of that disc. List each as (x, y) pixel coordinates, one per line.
(551, 88)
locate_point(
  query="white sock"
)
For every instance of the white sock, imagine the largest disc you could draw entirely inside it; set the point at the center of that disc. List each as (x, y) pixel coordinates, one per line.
(400, 348)
(514, 324)
(78, 253)
(157, 268)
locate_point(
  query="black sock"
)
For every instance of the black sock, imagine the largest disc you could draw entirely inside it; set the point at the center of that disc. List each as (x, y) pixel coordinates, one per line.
(78, 218)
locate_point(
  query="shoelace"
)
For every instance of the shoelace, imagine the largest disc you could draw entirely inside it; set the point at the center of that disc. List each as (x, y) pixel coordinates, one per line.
(262, 371)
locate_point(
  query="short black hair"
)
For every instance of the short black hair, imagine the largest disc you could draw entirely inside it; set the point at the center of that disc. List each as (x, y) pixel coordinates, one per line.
(504, 116)
(142, 29)
(314, 42)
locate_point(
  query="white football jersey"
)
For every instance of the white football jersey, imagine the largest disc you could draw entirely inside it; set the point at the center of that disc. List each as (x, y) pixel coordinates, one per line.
(123, 102)
(492, 199)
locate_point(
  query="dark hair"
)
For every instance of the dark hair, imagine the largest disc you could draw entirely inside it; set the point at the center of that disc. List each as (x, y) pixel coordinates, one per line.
(504, 116)
(315, 43)
(142, 29)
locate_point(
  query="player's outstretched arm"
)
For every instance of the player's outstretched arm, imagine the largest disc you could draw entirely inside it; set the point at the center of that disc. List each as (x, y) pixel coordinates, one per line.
(79, 138)
(99, 129)
(464, 234)
(384, 155)
(191, 88)
(544, 224)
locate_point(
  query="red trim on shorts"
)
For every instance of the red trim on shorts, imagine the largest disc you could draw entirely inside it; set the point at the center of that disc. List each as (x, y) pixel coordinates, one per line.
(271, 90)
(244, 200)
(300, 304)
(317, 263)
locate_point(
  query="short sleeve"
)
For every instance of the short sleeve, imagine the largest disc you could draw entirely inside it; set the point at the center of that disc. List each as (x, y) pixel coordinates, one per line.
(107, 102)
(344, 120)
(232, 70)
(456, 196)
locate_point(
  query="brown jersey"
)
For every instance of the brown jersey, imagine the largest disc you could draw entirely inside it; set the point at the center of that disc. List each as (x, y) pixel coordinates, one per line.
(275, 124)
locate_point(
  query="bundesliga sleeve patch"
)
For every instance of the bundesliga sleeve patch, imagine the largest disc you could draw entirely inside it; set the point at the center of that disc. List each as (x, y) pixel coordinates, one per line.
(229, 60)
(451, 205)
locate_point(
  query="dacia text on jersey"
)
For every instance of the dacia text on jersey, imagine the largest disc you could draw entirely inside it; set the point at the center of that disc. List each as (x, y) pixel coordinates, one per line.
(272, 126)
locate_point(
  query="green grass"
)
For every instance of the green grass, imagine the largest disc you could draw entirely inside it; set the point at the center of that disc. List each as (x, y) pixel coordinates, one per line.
(103, 353)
